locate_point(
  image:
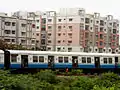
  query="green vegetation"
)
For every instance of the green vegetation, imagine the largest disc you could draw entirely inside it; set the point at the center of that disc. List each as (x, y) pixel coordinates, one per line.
(4, 45)
(47, 80)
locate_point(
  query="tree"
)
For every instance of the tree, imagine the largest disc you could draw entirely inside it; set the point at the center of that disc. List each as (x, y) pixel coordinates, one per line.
(3, 44)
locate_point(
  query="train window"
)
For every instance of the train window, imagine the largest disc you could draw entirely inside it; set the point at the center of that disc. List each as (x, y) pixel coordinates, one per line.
(105, 60)
(60, 59)
(65, 59)
(41, 58)
(110, 60)
(35, 58)
(88, 60)
(83, 59)
(14, 57)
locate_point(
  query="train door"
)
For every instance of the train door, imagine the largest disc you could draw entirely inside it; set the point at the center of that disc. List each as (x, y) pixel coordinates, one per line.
(50, 61)
(97, 62)
(116, 62)
(24, 61)
(7, 59)
(74, 61)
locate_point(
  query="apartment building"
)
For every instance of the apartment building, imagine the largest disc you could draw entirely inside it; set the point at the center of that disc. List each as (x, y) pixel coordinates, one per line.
(75, 30)
(18, 31)
(36, 17)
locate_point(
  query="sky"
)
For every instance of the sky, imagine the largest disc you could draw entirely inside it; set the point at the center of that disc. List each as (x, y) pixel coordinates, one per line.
(104, 7)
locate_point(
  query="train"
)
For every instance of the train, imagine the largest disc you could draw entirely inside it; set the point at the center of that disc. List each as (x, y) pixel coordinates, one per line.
(22, 59)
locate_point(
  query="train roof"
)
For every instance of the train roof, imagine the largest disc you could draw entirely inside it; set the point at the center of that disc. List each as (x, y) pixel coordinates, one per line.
(60, 53)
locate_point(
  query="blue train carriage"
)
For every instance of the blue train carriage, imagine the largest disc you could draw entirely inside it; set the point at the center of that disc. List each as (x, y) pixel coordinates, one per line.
(48, 59)
(28, 59)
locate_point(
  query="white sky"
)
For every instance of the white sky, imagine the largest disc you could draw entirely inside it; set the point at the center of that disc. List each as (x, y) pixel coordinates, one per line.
(104, 7)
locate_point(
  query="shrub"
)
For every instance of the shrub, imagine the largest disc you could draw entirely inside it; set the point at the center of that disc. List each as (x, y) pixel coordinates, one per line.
(48, 76)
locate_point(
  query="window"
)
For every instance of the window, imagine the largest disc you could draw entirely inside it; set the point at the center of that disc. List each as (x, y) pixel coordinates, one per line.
(83, 59)
(87, 20)
(7, 31)
(33, 41)
(69, 49)
(114, 31)
(59, 20)
(70, 27)
(70, 41)
(41, 58)
(49, 34)
(110, 60)
(97, 22)
(60, 59)
(101, 29)
(37, 27)
(65, 59)
(58, 49)
(37, 34)
(49, 20)
(70, 19)
(43, 41)
(37, 21)
(59, 41)
(43, 36)
(23, 25)
(91, 28)
(7, 23)
(23, 33)
(101, 36)
(14, 57)
(82, 19)
(7, 40)
(13, 40)
(91, 21)
(49, 27)
(37, 41)
(88, 60)
(13, 32)
(35, 58)
(49, 41)
(43, 20)
(23, 41)
(101, 43)
(49, 48)
(101, 22)
(86, 27)
(33, 25)
(110, 23)
(105, 60)
(81, 26)
(69, 34)
(59, 27)
(13, 23)
(59, 34)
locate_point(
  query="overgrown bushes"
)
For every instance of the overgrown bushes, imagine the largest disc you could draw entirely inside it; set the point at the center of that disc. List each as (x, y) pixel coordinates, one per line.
(47, 80)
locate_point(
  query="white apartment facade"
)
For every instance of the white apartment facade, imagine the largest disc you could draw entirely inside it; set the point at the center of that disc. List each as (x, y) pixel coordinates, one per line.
(18, 31)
